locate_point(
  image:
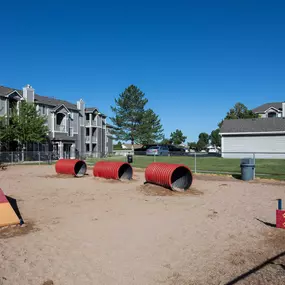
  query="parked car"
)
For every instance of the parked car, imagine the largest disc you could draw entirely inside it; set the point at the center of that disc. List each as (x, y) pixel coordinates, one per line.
(174, 150)
(158, 150)
(142, 150)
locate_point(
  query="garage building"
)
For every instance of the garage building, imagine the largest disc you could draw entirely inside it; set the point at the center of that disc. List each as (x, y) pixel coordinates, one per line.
(263, 136)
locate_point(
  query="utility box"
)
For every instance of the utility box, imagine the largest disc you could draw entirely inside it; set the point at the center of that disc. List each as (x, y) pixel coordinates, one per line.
(247, 167)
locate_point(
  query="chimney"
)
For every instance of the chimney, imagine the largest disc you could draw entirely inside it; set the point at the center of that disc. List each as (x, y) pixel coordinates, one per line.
(29, 93)
(81, 106)
(283, 109)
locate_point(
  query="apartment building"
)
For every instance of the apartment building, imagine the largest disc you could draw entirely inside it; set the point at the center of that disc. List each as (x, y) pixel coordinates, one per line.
(73, 128)
(271, 110)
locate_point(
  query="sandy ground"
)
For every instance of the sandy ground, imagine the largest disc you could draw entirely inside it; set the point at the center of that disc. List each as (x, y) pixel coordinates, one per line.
(91, 231)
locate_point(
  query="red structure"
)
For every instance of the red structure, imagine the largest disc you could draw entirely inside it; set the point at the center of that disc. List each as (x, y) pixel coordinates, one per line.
(74, 167)
(173, 176)
(113, 170)
(280, 219)
(7, 213)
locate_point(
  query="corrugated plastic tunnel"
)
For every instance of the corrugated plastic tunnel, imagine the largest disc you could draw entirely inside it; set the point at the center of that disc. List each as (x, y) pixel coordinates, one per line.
(74, 167)
(113, 170)
(176, 177)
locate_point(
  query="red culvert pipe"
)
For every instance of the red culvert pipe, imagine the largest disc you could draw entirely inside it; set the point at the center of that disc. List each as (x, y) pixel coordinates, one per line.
(113, 170)
(74, 167)
(173, 176)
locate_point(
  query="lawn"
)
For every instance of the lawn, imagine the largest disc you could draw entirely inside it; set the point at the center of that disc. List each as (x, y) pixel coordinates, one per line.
(269, 168)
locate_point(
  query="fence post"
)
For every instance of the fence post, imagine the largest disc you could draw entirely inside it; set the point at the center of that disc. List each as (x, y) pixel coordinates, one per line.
(39, 156)
(254, 165)
(195, 162)
(11, 157)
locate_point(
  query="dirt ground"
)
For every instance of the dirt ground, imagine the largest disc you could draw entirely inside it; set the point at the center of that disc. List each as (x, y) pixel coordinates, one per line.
(91, 231)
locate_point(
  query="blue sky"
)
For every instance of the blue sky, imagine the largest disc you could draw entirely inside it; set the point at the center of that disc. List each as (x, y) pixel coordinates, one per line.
(193, 59)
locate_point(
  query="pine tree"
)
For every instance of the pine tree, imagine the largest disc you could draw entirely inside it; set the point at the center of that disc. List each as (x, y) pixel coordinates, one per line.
(134, 123)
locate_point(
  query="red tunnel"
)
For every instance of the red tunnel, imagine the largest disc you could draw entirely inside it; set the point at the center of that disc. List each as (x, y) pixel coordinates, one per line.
(113, 170)
(173, 176)
(74, 167)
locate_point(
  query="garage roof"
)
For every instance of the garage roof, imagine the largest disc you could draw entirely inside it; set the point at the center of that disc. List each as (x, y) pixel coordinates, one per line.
(260, 125)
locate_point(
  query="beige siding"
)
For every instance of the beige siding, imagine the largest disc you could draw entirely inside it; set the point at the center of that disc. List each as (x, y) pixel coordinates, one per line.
(242, 146)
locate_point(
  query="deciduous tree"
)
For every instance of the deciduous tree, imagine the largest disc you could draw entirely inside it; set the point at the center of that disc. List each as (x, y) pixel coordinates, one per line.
(24, 126)
(239, 111)
(177, 137)
(203, 141)
(215, 137)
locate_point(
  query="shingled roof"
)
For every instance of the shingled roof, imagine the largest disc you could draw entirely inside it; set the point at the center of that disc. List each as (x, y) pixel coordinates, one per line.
(91, 109)
(4, 91)
(260, 125)
(266, 106)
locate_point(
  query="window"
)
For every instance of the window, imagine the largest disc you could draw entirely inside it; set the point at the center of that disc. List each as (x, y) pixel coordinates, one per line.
(87, 132)
(59, 119)
(272, 115)
(44, 110)
(87, 148)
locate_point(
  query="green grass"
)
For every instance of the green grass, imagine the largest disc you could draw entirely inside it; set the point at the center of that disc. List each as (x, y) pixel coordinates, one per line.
(273, 168)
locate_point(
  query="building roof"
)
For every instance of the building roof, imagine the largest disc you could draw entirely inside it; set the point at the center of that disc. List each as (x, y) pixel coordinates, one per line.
(44, 100)
(4, 91)
(260, 125)
(264, 107)
(54, 102)
(91, 109)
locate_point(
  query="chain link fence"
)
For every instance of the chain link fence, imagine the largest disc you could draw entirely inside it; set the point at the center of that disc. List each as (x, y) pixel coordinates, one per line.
(43, 157)
(267, 165)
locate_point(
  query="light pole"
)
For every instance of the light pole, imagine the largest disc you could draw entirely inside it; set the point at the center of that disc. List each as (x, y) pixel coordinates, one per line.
(98, 113)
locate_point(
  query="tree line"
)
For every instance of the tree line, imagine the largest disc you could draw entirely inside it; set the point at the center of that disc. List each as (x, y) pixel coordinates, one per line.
(139, 125)
(133, 121)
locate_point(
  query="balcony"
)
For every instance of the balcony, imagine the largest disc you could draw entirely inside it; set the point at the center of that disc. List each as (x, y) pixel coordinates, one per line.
(94, 123)
(91, 139)
(60, 128)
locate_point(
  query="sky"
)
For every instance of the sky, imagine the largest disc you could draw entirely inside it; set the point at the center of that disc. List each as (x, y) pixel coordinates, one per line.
(193, 59)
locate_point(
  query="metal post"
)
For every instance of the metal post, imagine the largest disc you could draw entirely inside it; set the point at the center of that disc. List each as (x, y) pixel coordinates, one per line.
(279, 204)
(195, 162)
(254, 165)
(39, 155)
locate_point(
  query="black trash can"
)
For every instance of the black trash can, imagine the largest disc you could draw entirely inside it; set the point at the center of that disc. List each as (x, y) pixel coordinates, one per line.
(247, 169)
(130, 158)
